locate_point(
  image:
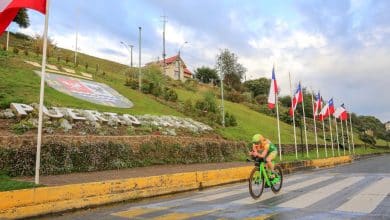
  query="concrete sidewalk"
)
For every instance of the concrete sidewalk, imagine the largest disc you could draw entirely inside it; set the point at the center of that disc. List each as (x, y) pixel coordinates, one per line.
(156, 170)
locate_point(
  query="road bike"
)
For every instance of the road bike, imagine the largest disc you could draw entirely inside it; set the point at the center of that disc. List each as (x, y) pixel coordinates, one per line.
(260, 178)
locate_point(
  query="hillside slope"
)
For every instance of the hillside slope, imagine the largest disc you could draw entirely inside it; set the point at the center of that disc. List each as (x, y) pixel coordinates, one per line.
(18, 83)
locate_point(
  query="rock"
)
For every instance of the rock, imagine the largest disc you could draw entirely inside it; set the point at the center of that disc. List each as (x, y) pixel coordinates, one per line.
(7, 113)
(49, 130)
(113, 122)
(171, 132)
(65, 125)
(82, 133)
(96, 125)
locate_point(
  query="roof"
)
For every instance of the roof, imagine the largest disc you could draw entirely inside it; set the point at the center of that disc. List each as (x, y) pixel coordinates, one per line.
(170, 60)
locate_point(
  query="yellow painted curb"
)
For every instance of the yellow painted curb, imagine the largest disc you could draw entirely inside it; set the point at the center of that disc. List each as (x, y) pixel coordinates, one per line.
(44, 200)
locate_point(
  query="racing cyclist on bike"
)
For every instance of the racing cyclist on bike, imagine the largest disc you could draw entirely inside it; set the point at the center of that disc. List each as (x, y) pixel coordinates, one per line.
(269, 151)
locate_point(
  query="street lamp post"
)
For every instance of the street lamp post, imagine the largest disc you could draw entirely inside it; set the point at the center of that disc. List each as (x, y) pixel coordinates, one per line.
(139, 61)
(222, 105)
(129, 47)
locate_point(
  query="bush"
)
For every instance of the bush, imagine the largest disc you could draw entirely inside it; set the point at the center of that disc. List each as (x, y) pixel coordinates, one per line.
(16, 50)
(191, 85)
(367, 139)
(26, 52)
(59, 157)
(235, 96)
(169, 94)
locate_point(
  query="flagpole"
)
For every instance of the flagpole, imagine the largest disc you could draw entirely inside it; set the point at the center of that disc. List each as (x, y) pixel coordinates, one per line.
(315, 126)
(330, 130)
(277, 118)
(41, 95)
(304, 121)
(350, 123)
(346, 128)
(337, 137)
(323, 130)
(6, 48)
(293, 115)
(342, 135)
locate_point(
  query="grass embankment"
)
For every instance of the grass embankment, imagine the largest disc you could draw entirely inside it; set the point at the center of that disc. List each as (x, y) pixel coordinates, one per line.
(361, 150)
(6, 184)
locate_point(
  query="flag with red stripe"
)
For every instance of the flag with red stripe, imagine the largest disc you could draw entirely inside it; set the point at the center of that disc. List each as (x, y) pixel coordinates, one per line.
(273, 91)
(327, 110)
(341, 113)
(9, 9)
(298, 98)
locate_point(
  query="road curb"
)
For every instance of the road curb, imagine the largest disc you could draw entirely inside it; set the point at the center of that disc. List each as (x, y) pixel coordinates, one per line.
(45, 200)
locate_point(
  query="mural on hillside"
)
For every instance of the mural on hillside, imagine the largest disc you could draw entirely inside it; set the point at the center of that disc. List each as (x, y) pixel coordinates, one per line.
(90, 91)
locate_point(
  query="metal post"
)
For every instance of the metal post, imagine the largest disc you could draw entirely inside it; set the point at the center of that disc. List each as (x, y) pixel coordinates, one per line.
(164, 55)
(42, 95)
(131, 55)
(346, 128)
(6, 48)
(304, 121)
(337, 137)
(315, 126)
(342, 135)
(293, 112)
(323, 130)
(222, 106)
(277, 118)
(330, 130)
(139, 62)
(353, 144)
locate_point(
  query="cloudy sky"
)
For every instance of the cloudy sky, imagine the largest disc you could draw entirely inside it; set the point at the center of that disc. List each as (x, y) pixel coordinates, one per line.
(339, 47)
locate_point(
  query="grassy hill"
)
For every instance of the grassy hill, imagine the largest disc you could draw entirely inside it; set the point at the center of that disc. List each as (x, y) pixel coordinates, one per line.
(18, 83)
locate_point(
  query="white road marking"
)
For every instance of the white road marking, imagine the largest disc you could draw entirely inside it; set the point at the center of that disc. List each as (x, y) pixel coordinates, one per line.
(367, 200)
(314, 196)
(284, 190)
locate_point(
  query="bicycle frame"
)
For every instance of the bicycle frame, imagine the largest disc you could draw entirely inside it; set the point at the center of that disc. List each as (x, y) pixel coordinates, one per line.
(264, 173)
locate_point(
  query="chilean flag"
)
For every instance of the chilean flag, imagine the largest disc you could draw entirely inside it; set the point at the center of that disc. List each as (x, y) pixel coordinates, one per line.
(327, 110)
(273, 91)
(317, 104)
(341, 113)
(9, 9)
(298, 98)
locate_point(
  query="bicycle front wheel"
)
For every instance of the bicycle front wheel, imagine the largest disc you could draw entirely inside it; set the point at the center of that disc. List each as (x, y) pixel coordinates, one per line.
(277, 182)
(256, 183)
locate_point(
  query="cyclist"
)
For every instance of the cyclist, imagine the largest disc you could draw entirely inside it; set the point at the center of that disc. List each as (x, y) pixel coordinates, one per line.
(269, 151)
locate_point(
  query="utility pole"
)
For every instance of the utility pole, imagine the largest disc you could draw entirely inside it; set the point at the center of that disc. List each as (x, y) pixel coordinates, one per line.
(77, 35)
(131, 55)
(139, 61)
(222, 106)
(163, 54)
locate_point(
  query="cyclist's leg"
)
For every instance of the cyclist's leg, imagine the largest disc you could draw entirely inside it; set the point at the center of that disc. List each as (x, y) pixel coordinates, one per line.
(269, 159)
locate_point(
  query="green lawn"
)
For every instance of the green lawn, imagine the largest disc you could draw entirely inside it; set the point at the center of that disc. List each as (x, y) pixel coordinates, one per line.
(322, 154)
(7, 184)
(18, 83)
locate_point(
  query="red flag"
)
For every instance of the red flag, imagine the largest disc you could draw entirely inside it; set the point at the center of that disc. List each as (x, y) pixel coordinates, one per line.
(9, 9)
(341, 113)
(298, 98)
(273, 91)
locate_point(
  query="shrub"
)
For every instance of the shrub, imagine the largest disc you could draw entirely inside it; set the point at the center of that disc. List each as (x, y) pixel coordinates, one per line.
(191, 85)
(235, 96)
(26, 52)
(58, 157)
(169, 94)
(16, 50)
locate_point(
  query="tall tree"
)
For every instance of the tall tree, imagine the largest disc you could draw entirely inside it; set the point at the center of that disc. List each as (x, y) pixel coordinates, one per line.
(231, 70)
(22, 18)
(206, 74)
(258, 86)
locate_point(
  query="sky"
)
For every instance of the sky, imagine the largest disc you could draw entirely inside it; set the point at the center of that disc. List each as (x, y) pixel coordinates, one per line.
(338, 47)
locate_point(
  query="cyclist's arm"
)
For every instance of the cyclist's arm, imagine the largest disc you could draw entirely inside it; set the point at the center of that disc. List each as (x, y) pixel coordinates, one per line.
(254, 151)
(265, 151)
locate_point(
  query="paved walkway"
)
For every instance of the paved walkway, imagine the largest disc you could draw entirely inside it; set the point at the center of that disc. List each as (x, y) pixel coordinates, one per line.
(156, 170)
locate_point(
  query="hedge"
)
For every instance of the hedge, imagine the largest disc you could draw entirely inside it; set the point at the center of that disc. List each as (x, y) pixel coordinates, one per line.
(59, 157)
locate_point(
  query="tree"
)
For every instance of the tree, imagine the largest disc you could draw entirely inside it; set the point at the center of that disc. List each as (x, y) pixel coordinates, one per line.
(231, 70)
(258, 86)
(206, 74)
(22, 18)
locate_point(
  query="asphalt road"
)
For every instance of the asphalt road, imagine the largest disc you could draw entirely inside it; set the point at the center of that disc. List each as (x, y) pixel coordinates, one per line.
(360, 190)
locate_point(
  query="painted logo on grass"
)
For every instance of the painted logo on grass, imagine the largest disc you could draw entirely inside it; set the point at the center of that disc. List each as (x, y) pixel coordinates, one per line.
(90, 91)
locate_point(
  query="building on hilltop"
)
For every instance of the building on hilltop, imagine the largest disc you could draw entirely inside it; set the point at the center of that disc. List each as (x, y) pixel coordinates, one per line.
(387, 125)
(175, 68)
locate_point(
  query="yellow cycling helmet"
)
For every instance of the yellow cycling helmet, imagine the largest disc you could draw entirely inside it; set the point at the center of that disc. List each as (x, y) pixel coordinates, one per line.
(257, 138)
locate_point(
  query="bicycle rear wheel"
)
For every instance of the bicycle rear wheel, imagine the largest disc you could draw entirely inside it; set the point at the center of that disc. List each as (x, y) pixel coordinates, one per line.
(256, 183)
(277, 182)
